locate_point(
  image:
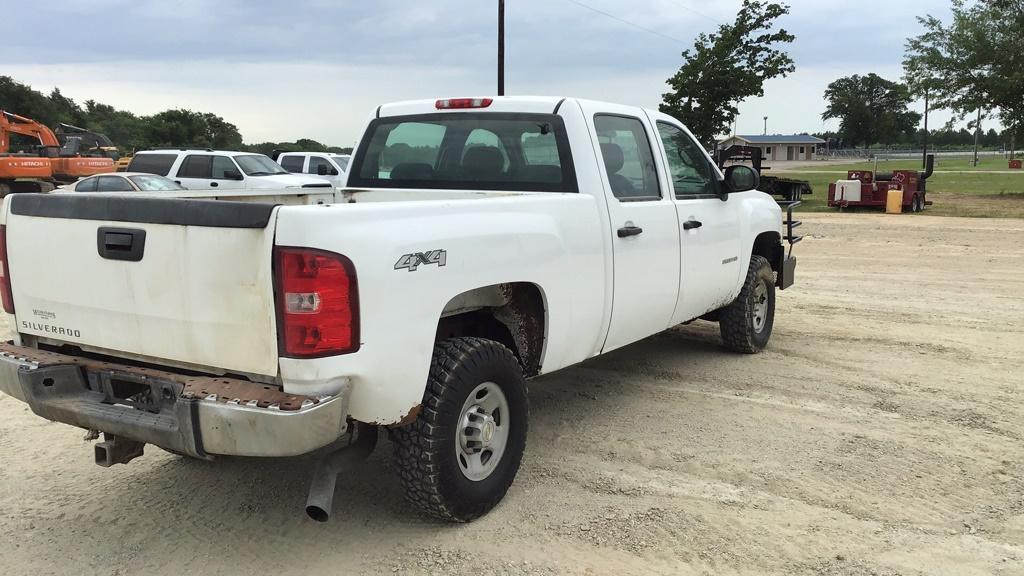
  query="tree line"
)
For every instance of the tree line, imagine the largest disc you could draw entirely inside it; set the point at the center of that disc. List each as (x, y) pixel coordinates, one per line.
(972, 66)
(130, 132)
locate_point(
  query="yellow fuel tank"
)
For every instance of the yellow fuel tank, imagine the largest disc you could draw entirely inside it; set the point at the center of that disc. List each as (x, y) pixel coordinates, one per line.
(894, 202)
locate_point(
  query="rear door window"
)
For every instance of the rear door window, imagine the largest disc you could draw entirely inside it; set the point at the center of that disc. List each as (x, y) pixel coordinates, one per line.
(628, 158)
(466, 151)
(152, 163)
(196, 166)
(293, 164)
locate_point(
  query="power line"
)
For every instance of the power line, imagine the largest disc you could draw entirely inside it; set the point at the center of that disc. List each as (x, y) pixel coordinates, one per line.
(627, 22)
(697, 12)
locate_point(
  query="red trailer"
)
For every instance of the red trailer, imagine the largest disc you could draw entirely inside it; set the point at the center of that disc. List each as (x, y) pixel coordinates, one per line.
(866, 188)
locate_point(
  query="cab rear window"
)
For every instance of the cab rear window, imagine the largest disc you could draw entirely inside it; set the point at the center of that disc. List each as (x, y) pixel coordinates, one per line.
(152, 163)
(466, 151)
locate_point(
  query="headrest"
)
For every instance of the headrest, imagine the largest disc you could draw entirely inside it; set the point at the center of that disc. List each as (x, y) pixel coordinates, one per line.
(412, 171)
(613, 157)
(483, 162)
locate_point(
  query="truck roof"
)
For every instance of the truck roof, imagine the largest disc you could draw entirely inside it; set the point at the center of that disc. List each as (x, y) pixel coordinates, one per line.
(535, 104)
(198, 151)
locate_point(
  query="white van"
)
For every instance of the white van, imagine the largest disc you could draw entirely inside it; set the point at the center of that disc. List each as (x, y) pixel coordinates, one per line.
(331, 167)
(205, 169)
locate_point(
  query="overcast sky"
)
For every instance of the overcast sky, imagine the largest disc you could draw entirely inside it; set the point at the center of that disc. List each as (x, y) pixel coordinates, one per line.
(317, 68)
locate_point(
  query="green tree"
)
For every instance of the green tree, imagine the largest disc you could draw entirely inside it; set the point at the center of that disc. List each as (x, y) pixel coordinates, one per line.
(21, 99)
(870, 109)
(726, 67)
(979, 57)
(188, 128)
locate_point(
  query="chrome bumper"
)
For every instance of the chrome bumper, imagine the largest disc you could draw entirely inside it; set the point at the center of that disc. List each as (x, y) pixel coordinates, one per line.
(196, 415)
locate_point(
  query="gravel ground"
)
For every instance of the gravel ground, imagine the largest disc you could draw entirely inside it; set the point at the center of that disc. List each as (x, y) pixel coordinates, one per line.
(880, 434)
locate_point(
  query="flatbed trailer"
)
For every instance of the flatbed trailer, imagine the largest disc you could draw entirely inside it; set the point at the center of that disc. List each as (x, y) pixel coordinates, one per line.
(790, 189)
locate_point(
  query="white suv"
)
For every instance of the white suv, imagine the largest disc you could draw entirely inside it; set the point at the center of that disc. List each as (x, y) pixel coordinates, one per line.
(331, 167)
(203, 169)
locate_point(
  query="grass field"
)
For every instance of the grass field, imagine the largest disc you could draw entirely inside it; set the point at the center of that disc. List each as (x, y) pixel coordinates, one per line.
(962, 191)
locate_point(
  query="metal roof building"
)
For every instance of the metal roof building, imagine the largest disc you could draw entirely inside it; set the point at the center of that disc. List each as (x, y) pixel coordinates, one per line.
(779, 147)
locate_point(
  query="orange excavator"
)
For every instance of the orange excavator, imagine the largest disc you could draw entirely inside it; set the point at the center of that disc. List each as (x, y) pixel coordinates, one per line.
(48, 165)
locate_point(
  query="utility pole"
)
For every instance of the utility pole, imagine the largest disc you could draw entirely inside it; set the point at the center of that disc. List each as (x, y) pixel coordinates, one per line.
(501, 47)
(924, 156)
(977, 133)
(765, 125)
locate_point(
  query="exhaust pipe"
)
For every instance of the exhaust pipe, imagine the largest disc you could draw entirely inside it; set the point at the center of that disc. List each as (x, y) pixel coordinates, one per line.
(325, 475)
(929, 167)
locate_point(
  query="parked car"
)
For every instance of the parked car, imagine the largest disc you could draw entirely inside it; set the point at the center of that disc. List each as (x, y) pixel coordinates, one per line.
(202, 169)
(480, 242)
(123, 182)
(331, 167)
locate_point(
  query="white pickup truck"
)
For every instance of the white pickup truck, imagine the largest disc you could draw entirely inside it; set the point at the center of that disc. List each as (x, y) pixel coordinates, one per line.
(480, 242)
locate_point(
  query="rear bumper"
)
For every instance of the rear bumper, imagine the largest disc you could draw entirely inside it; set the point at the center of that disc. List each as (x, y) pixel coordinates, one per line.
(196, 415)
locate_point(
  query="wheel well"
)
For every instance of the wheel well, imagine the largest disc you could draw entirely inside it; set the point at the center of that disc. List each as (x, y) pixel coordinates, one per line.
(512, 313)
(769, 245)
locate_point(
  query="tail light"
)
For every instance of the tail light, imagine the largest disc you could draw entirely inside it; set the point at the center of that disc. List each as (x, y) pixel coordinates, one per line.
(451, 103)
(317, 303)
(5, 282)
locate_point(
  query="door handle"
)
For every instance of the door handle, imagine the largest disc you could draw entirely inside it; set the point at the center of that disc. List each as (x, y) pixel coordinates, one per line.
(629, 230)
(213, 184)
(691, 224)
(120, 243)
(178, 182)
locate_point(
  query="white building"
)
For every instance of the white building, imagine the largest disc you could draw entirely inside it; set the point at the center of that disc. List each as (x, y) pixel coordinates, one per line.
(779, 147)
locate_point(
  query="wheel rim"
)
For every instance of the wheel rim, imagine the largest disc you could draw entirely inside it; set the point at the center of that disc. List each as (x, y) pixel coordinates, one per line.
(760, 307)
(483, 431)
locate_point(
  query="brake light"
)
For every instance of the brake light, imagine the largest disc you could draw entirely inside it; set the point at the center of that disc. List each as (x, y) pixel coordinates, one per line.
(450, 103)
(317, 303)
(5, 282)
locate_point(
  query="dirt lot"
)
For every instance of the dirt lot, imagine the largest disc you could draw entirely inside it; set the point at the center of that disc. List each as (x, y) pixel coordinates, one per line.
(881, 433)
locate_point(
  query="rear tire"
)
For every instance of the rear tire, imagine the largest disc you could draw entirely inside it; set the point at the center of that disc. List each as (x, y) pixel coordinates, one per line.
(746, 324)
(458, 459)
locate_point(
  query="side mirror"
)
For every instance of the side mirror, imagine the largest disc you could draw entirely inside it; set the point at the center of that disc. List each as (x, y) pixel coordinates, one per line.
(232, 175)
(740, 178)
(334, 171)
(322, 170)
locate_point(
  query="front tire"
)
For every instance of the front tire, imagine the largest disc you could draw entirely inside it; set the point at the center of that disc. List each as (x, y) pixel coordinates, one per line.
(458, 459)
(746, 324)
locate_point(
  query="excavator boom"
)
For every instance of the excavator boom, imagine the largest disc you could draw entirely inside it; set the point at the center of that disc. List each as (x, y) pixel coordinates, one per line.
(36, 172)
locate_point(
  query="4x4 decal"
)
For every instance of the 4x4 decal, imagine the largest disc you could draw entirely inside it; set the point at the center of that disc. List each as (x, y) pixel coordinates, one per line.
(413, 261)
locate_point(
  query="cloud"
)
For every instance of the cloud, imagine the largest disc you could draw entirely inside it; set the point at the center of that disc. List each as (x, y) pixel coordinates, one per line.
(316, 68)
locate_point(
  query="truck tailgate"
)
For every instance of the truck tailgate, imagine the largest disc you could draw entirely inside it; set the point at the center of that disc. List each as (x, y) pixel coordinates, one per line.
(187, 281)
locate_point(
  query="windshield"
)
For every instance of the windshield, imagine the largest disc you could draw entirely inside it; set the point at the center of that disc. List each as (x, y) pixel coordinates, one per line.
(155, 183)
(466, 151)
(259, 165)
(341, 161)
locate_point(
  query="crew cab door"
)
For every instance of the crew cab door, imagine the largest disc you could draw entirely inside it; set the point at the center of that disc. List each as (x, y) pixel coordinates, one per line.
(709, 227)
(643, 227)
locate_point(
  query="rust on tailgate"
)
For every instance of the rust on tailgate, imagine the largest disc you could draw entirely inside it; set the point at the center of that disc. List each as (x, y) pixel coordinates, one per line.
(233, 390)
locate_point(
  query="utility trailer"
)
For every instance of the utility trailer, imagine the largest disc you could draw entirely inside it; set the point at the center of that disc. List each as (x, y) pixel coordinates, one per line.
(790, 189)
(870, 188)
